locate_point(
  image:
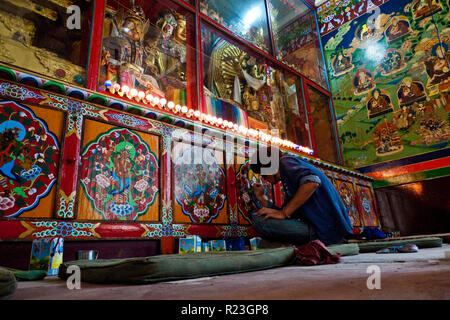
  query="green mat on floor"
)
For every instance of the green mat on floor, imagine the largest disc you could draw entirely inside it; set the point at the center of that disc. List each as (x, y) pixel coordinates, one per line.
(178, 266)
(186, 266)
(28, 275)
(350, 249)
(8, 284)
(373, 246)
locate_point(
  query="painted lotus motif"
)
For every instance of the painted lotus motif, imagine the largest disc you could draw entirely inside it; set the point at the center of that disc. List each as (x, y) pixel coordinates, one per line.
(119, 175)
(199, 187)
(29, 154)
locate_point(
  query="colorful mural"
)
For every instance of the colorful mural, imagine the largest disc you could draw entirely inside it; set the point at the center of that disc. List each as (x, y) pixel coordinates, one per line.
(390, 78)
(199, 183)
(120, 175)
(29, 159)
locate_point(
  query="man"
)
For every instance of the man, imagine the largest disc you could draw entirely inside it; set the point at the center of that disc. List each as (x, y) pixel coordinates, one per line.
(312, 209)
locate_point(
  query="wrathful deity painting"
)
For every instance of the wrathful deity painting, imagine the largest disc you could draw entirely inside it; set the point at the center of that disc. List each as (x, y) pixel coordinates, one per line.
(390, 79)
(348, 196)
(29, 159)
(145, 50)
(366, 205)
(199, 182)
(119, 175)
(245, 178)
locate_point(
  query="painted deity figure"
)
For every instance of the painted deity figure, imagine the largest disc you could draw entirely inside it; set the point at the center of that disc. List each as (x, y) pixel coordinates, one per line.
(387, 140)
(433, 130)
(437, 66)
(397, 29)
(379, 104)
(392, 62)
(363, 82)
(341, 64)
(410, 91)
(348, 197)
(366, 32)
(421, 8)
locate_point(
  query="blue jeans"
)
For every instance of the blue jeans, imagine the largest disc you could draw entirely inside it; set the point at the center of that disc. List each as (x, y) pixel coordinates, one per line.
(293, 231)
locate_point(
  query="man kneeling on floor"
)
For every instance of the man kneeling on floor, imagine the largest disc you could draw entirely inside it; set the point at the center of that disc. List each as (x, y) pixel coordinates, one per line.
(312, 209)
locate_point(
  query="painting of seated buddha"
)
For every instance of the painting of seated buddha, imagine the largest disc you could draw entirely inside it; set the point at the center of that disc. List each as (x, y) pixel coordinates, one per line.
(379, 103)
(397, 29)
(363, 82)
(410, 91)
(341, 64)
(437, 65)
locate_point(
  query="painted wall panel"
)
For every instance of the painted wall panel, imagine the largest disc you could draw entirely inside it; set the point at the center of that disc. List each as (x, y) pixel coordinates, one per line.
(199, 184)
(29, 159)
(119, 174)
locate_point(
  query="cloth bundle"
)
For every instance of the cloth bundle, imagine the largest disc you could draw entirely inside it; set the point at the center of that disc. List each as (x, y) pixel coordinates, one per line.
(315, 253)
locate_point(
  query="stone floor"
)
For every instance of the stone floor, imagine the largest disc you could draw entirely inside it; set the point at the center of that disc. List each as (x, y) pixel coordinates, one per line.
(423, 275)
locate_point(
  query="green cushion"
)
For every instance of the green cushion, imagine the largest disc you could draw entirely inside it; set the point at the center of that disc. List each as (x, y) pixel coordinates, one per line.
(8, 284)
(350, 249)
(178, 266)
(374, 246)
(28, 275)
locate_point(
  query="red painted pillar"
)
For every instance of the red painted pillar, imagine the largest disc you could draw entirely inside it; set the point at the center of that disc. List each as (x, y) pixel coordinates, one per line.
(95, 45)
(69, 168)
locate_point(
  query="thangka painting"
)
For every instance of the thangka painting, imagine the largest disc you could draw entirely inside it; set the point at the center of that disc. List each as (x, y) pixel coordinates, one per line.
(390, 77)
(199, 183)
(245, 178)
(29, 159)
(347, 193)
(366, 207)
(119, 175)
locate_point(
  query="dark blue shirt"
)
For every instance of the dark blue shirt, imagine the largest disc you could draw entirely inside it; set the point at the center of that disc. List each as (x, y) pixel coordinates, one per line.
(324, 210)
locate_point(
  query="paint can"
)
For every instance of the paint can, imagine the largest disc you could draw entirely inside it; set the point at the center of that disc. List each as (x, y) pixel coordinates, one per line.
(87, 255)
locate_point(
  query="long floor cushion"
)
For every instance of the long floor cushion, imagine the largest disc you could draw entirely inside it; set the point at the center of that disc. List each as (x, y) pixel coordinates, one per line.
(8, 284)
(178, 266)
(373, 246)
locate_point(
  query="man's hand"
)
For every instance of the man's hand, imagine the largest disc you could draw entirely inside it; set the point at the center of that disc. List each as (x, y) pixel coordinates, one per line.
(258, 190)
(271, 213)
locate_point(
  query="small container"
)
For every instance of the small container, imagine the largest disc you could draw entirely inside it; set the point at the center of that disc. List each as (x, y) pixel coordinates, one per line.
(87, 255)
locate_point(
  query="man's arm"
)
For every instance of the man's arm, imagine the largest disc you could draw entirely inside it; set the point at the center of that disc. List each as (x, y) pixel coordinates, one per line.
(304, 192)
